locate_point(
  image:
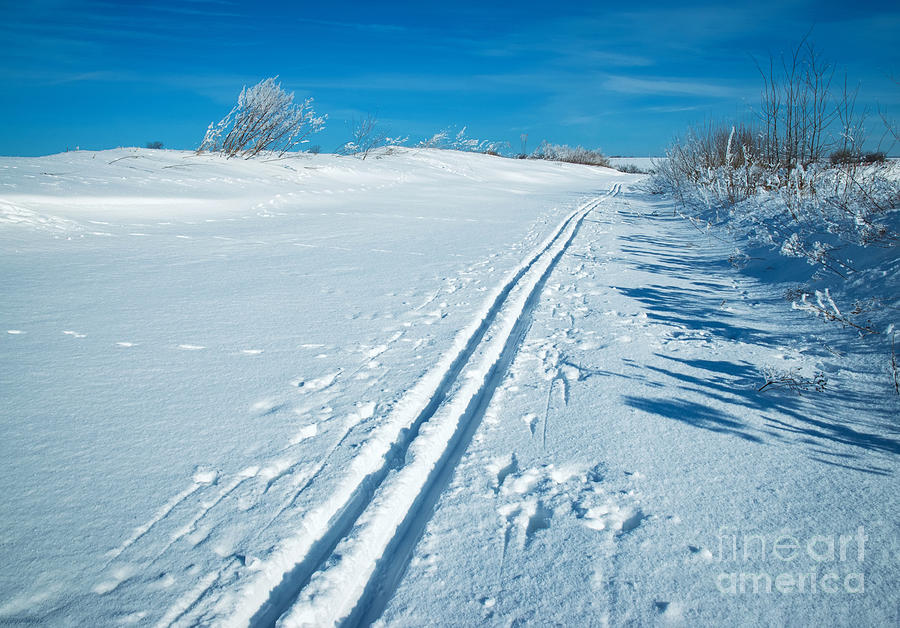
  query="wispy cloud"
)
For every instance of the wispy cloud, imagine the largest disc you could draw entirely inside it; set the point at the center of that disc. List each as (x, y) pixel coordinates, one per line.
(358, 26)
(616, 59)
(462, 83)
(673, 108)
(204, 9)
(670, 86)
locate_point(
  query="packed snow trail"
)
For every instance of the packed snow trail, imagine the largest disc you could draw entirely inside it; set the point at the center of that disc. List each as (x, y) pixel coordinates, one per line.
(377, 540)
(288, 569)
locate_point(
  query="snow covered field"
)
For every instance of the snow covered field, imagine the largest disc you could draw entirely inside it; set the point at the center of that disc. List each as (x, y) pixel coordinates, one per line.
(433, 387)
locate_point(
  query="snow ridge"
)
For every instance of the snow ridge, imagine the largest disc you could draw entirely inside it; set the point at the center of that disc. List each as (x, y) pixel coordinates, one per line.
(275, 582)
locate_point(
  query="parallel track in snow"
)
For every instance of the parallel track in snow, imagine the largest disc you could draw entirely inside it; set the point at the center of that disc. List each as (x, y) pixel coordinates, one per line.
(349, 552)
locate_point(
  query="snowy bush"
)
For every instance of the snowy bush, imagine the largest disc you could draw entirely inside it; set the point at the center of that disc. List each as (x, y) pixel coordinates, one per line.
(630, 169)
(721, 160)
(576, 155)
(802, 118)
(462, 142)
(438, 140)
(265, 118)
(366, 136)
(799, 184)
(794, 380)
(459, 140)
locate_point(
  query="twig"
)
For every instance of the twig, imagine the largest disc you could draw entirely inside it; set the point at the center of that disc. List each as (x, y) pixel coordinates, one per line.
(125, 157)
(895, 369)
(793, 380)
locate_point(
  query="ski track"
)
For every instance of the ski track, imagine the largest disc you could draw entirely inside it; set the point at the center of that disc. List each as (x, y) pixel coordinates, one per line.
(200, 479)
(427, 428)
(395, 534)
(275, 584)
(355, 588)
(190, 526)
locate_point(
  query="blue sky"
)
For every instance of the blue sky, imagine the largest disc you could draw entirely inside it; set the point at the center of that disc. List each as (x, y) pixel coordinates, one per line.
(625, 77)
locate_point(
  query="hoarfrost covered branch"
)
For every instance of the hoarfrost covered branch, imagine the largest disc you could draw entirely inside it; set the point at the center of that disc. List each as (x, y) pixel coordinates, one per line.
(265, 118)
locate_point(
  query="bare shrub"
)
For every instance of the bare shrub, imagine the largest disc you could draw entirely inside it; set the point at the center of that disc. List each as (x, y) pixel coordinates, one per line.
(630, 169)
(802, 119)
(489, 147)
(798, 109)
(365, 136)
(825, 307)
(842, 156)
(438, 140)
(874, 157)
(523, 140)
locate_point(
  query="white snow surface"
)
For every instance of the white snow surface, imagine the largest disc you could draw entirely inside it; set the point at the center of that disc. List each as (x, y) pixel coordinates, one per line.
(425, 388)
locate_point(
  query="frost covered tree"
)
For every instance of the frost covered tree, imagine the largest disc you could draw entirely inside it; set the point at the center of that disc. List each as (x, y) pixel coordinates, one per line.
(265, 118)
(366, 135)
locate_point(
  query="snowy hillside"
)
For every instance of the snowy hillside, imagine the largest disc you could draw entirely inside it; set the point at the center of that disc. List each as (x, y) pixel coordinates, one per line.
(430, 387)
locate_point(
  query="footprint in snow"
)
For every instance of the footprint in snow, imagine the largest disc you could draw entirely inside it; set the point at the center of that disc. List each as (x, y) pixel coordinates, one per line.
(700, 553)
(501, 468)
(669, 611)
(266, 407)
(531, 498)
(307, 431)
(318, 383)
(531, 420)
(523, 520)
(619, 517)
(118, 576)
(363, 412)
